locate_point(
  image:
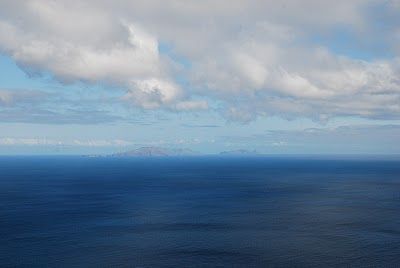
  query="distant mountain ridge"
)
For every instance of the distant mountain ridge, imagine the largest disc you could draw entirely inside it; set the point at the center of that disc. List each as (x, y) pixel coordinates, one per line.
(239, 152)
(156, 151)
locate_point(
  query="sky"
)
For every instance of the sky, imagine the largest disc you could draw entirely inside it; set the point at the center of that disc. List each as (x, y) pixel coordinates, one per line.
(279, 77)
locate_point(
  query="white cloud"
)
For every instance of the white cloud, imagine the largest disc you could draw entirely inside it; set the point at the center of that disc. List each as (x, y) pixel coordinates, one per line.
(254, 58)
(153, 93)
(156, 93)
(119, 60)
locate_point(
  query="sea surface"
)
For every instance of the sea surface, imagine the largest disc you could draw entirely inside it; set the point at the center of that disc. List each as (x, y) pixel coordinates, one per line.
(199, 212)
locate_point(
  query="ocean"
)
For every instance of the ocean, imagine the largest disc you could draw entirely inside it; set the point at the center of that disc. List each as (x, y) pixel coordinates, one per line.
(200, 212)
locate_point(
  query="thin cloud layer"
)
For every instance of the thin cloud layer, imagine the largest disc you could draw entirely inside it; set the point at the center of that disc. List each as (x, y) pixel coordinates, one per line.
(344, 139)
(11, 98)
(9, 141)
(48, 107)
(243, 58)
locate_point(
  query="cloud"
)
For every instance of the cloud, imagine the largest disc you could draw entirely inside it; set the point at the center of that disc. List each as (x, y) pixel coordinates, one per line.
(52, 107)
(80, 43)
(9, 97)
(200, 126)
(8, 141)
(77, 42)
(250, 58)
(40, 115)
(301, 81)
(342, 139)
(153, 93)
(191, 105)
(5, 97)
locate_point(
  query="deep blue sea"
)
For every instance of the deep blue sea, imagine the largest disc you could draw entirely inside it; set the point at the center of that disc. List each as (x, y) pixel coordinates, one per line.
(199, 212)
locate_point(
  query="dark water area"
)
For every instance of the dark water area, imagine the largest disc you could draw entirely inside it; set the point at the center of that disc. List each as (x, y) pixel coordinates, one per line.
(199, 212)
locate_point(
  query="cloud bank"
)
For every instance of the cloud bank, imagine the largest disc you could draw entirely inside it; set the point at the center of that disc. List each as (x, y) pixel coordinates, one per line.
(243, 58)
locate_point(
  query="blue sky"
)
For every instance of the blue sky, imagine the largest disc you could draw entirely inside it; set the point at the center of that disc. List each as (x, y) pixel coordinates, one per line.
(96, 77)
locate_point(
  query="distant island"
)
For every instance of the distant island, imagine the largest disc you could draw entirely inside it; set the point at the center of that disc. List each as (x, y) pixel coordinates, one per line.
(156, 151)
(153, 151)
(239, 152)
